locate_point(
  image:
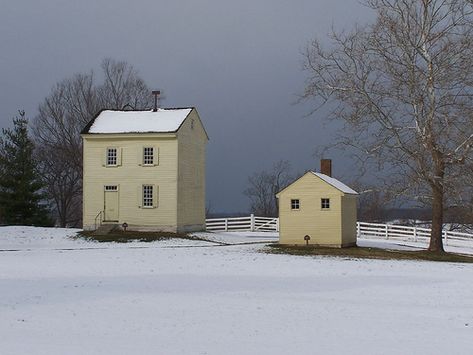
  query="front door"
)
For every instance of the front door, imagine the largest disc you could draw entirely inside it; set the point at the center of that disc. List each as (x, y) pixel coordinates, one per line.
(111, 203)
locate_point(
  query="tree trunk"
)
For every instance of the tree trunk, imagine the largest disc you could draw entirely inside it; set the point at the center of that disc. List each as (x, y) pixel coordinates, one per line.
(62, 218)
(436, 243)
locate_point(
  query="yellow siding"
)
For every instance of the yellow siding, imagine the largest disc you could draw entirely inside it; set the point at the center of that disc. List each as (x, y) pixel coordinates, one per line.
(192, 141)
(349, 220)
(130, 176)
(177, 176)
(323, 226)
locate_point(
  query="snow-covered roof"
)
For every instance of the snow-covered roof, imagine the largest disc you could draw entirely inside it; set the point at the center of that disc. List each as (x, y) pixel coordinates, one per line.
(329, 180)
(335, 183)
(160, 121)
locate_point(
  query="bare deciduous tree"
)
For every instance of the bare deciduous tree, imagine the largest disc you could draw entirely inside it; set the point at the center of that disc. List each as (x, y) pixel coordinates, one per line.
(122, 86)
(371, 205)
(404, 88)
(63, 114)
(62, 180)
(264, 185)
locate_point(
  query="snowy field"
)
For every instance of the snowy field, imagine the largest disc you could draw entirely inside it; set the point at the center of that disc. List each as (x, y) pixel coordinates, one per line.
(63, 296)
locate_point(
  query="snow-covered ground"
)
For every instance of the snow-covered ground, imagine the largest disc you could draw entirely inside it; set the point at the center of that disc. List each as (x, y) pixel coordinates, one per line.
(64, 296)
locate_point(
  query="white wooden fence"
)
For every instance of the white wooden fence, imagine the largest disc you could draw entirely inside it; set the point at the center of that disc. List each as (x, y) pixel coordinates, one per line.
(364, 230)
(395, 231)
(251, 223)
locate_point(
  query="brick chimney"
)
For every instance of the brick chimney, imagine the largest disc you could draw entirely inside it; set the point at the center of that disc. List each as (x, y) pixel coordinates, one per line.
(156, 94)
(326, 167)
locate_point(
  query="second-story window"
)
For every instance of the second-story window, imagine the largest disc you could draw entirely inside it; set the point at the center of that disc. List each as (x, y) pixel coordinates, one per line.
(111, 156)
(148, 156)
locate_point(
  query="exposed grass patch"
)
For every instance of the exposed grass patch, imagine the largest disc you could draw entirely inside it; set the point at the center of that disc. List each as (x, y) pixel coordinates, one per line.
(368, 253)
(119, 236)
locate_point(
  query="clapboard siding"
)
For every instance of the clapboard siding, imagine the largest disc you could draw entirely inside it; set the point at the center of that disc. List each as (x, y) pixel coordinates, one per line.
(324, 226)
(191, 173)
(349, 219)
(177, 176)
(130, 176)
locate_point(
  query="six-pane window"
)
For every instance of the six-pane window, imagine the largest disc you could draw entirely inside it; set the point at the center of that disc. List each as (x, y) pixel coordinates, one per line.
(295, 204)
(147, 195)
(112, 156)
(148, 155)
(325, 203)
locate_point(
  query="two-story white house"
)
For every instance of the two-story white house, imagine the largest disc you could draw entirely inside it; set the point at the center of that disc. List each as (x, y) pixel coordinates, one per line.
(145, 168)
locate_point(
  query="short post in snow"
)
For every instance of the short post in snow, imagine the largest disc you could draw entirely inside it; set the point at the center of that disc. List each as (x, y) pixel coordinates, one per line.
(226, 224)
(445, 233)
(252, 222)
(307, 238)
(386, 232)
(415, 234)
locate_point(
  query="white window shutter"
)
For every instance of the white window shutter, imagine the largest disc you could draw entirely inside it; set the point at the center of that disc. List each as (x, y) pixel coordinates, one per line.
(156, 155)
(139, 194)
(104, 157)
(140, 157)
(155, 196)
(119, 156)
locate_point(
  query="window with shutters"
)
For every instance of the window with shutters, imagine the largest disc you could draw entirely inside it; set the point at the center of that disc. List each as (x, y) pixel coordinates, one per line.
(148, 156)
(148, 196)
(112, 157)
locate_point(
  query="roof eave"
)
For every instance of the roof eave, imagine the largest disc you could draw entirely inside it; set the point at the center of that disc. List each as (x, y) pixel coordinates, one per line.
(318, 177)
(172, 134)
(197, 113)
(335, 187)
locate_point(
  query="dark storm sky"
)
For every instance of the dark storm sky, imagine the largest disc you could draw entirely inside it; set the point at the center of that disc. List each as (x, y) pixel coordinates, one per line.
(238, 62)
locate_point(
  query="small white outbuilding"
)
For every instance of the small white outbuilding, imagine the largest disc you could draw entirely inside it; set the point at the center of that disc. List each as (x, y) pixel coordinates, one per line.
(320, 207)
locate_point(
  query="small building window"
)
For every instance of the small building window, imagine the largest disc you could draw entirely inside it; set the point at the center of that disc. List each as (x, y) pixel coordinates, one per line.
(325, 203)
(148, 156)
(147, 195)
(111, 156)
(295, 204)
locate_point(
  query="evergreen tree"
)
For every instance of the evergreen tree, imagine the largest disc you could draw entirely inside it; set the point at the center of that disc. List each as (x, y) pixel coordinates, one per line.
(19, 182)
